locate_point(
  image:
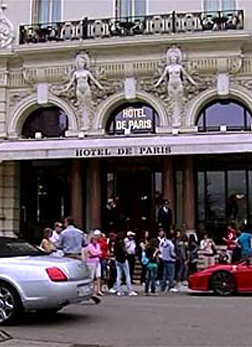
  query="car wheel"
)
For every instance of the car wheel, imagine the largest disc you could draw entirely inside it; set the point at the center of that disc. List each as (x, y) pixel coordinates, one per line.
(10, 304)
(223, 283)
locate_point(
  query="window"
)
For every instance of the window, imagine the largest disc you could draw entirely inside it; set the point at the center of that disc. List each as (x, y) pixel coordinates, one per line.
(219, 5)
(51, 122)
(130, 8)
(49, 11)
(224, 112)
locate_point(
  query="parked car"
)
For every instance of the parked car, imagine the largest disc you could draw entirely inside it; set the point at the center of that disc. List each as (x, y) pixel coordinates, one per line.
(223, 279)
(30, 280)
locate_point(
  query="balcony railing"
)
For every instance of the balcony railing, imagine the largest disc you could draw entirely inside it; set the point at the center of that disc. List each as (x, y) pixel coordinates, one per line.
(131, 26)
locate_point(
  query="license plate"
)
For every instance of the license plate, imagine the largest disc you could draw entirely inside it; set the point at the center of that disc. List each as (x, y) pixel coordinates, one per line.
(83, 290)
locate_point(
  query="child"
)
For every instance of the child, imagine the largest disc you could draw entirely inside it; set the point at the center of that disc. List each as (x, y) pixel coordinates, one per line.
(223, 257)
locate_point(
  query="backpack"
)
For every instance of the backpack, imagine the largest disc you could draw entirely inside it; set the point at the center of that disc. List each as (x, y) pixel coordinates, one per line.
(144, 259)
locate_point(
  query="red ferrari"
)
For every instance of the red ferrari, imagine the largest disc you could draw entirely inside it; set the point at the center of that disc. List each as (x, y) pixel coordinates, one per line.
(223, 279)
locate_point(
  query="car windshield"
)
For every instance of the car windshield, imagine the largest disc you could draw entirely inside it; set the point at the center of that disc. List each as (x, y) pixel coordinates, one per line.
(12, 247)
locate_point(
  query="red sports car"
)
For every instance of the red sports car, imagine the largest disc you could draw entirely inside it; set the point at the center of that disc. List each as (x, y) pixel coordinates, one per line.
(223, 279)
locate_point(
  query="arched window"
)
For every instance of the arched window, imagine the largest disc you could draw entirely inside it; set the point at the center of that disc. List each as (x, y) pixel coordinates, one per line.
(229, 112)
(50, 121)
(132, 118)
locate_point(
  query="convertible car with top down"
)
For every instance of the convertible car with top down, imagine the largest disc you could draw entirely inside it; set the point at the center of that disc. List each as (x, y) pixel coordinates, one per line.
(32, 280)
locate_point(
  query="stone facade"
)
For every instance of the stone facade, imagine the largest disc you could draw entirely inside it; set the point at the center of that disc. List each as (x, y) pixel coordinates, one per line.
(119, 68)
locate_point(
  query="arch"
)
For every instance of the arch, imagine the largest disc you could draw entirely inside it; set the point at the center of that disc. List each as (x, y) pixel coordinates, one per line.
(29, 104)
(111, 103)
(197, 104)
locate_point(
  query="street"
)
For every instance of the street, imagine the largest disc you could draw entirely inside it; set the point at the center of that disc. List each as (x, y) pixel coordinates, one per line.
(177, 319)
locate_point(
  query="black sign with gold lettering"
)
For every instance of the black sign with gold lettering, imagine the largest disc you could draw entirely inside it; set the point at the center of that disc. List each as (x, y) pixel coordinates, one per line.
(135, 118)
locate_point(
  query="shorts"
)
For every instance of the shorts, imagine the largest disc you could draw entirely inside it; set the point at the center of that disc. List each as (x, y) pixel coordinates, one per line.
(95, 270)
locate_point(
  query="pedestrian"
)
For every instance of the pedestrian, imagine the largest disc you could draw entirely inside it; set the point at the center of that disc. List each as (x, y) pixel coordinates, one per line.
(161, 235)
(72, 240)
(142, 247)
(165, 216)
(58, 227)
(230, 239)
(192, 254)
(111, 283)
(168, 257)
(223, 257)
(102, 241)
(130, 244)
(181, 248)
(208, 248)
(93, 262)
(152, 252)
(46, 244)
(244, 242)
(122, 265)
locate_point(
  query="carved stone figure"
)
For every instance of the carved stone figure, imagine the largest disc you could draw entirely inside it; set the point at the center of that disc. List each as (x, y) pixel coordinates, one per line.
(174, 73)
(80, 79)
(6, 29)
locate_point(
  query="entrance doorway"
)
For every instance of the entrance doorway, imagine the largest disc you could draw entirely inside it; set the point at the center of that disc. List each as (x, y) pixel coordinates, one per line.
(136, 185)
(135, 195)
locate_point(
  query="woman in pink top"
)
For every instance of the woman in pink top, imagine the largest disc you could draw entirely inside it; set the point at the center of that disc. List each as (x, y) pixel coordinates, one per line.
(93, 261)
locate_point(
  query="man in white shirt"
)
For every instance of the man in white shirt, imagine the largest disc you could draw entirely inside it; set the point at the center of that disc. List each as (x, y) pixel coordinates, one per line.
(130, 244)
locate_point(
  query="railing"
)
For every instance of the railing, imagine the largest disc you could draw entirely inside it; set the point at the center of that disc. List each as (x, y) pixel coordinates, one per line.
(131, 26)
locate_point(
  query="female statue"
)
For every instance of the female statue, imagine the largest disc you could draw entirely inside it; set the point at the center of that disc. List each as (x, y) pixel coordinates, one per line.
(174, 73)
(81, 78)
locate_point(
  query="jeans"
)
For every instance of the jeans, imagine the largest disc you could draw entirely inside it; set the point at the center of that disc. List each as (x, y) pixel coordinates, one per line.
(182, 270)
(168, 274)
(112, 275)
(103, 263)
(123, 268)
(131, 261)
(151, 269)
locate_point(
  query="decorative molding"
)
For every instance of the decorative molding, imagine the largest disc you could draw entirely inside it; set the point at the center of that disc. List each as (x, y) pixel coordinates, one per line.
(6, 29)
(24, 108)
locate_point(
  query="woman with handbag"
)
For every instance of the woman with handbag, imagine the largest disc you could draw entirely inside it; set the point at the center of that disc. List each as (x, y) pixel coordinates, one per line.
(208, 248)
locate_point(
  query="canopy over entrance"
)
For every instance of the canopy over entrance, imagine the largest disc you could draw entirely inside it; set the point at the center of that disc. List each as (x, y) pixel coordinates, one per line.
(125, 147)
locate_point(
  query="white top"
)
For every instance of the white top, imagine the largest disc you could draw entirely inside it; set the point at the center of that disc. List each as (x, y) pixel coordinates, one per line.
(55, 237)
(130, 245)
(206, 246)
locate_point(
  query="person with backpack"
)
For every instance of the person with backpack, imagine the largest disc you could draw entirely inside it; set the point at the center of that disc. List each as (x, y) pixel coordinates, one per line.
(151, 254)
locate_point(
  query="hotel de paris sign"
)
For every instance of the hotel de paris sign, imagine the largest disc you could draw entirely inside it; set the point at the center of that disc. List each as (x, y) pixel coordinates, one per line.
(126, 151)
(129, 119)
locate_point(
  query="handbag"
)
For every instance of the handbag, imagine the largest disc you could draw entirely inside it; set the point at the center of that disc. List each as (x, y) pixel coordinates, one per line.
(144, 259)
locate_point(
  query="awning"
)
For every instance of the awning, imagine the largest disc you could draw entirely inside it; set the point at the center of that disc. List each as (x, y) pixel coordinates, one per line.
(125, 146)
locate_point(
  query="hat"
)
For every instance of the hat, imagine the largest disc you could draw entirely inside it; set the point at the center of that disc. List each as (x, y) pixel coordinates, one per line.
(97, 232)
(130, 233)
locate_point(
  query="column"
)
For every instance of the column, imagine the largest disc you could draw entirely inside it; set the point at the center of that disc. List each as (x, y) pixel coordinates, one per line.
(10, 198)
(168, 181)
(94, 194)
(76, 192)
(189, 193)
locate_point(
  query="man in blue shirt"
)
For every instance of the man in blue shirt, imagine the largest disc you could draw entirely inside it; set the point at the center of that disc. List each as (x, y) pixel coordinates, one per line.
(71, 240)
(244, 242)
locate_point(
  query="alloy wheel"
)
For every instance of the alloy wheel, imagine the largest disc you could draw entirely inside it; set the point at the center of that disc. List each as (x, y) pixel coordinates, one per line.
(7, 304)
(223, 283)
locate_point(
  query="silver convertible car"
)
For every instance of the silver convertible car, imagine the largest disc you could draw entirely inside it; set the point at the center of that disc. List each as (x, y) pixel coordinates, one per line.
(32, 280)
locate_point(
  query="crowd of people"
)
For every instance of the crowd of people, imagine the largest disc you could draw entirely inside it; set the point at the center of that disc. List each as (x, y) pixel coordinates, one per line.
(166, 258)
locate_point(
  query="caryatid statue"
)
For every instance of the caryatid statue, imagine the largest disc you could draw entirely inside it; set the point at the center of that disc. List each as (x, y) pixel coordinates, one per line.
(80, 79)
(174, 73)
